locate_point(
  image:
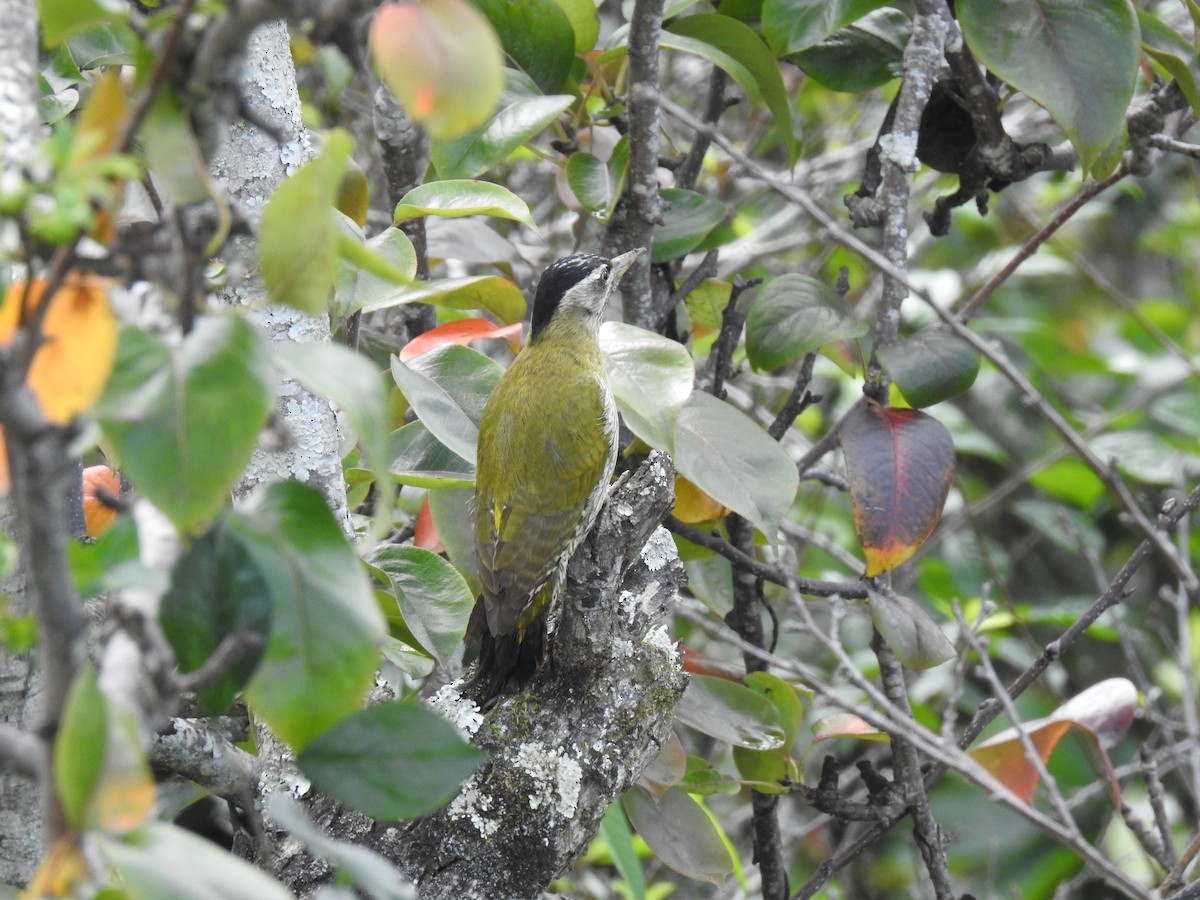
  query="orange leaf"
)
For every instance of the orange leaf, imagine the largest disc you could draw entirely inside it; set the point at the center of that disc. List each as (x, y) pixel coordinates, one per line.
(79, 344)
(696, 663)
(692, 505)
(1103, 713)
(841, 725)
(464, 331)
(899, 463)
(101, 498)
(62, 870)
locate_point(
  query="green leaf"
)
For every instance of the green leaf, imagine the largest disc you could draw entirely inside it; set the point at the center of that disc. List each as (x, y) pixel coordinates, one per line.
(172, 152)
(730, 712)
(514, 123)
(774, 766)
(298, 236)
(688, 218)
(216, 589)
(359, 283)
(1145, 456)
(421, 460)
(916, 639)
(448, 387)
(585, 23)
(900, 464)
(184, 420)
(367, 869)
(680, 833)
(738, 41)
(326, 628)
(793, 315)
(433, 597)
(1078, 60)
(60, 19)
(112, 562)
(463, 197)
(451, 509)
(598, 185)
(161, 860)
(651, 378)
(791, 25)
(931, 366)
(618, 837)
(1171, 51)
(536, 35)
(79, 747)
(731, 458)
(390, 761)
(354, 384)
(442, 60)
(860, 56)
(497, 295)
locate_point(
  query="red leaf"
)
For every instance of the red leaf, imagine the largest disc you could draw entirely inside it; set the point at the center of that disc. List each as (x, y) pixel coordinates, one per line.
(900, 463)
(425, 536)
(463, 332)
(696, 663)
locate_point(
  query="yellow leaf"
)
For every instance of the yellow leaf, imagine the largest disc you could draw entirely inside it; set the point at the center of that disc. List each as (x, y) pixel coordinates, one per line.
(692, 505)
(79, 344)
(61, 870)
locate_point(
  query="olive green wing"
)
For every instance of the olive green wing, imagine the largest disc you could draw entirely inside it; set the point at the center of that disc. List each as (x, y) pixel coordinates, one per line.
(538, 475)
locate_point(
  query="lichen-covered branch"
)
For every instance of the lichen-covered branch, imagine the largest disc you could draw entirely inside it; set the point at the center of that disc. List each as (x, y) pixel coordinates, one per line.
(562, 750)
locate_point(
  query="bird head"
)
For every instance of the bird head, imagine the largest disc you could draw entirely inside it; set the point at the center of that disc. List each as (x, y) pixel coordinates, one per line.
(577, 288)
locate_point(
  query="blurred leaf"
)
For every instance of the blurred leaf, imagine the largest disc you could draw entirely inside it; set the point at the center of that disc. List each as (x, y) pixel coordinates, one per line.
(79, 747)
(1145, 456)
(792, 315)
(1078, 60)
(701, 779)
(162, 860)
(452, 514)
(462, 197)
(737, 41)
(433, 597)
(1071, 481)
(447, 388)
(172, 152)
(515, 122)
(216, 589)
(731, 457)
(372, 272)
(651, 378)
(730, 712)
(497, 295)
(860, 56)
(60, 19)
(916, 639)
(1172, 52)
(442, 60)
(112, 562)
(1103, 712)
(421, 460)
(618, 837)
(390, 761)
(471, 240)
(323, 648)
(367, 869)
(791, 25)
(680, 833)
(298, 236)
(585, 23)
(687, 219)
(900, 463)
(930, 366)
(184, 419)
(75, 358)
(536, 35)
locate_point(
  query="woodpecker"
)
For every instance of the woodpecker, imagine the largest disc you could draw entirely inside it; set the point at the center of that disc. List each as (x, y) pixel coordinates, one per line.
(547, 448)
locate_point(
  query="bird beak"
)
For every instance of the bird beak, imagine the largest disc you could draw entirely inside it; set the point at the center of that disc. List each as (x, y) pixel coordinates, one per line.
(620, 264)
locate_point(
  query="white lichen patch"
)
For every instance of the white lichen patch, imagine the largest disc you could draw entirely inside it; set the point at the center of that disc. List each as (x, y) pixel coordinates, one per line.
(660, 550)
(461, 712)
(474, 805)
(622, 650)
(658, 638)
(556, 776)
(900, 149)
